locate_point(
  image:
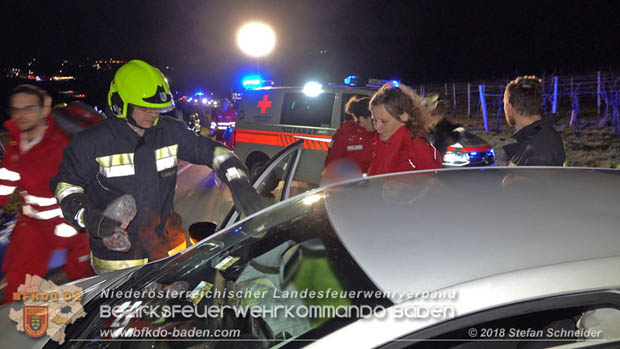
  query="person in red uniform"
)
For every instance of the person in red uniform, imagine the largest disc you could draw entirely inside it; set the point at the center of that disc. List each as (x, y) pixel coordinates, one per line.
(224, 124)
(401, 143)
(354, 138)
(31, 160)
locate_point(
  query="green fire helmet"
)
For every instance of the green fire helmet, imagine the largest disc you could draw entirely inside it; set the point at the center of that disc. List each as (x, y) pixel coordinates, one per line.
(137, 83)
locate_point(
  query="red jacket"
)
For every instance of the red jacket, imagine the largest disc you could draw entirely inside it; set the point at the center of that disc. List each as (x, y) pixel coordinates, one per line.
(351, 141)
(402, 153)
(40, 228)
(32, 171)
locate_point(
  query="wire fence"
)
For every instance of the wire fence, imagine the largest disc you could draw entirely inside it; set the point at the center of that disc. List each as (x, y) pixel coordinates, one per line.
(596, 94)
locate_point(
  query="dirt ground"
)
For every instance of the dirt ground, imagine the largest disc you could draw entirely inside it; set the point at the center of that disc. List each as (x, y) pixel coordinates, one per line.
(592, 147)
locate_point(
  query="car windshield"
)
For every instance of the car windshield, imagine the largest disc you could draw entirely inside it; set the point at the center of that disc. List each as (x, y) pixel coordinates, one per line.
(287, 267)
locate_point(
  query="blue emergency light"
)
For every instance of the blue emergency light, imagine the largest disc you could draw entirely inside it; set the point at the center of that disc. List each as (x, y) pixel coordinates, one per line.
(380, 82)
(352, 80)
(251, 81)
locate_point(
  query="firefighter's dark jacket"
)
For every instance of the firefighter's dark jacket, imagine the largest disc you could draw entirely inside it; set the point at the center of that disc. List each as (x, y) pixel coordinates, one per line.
(110, 159)
(538, 144)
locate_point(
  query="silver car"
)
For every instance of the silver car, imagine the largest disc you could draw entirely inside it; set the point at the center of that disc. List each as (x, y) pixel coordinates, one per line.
(453, 258)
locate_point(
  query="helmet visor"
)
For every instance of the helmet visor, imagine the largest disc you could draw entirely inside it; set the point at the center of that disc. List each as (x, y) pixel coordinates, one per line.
(155, 110)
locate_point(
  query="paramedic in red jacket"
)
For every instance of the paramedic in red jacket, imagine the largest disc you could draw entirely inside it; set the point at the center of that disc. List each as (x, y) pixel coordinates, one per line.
(354, 138)
(401, 143)
(32, 158)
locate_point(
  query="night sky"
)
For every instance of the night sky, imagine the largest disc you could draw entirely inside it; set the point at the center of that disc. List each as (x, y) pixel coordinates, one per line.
(417, 41)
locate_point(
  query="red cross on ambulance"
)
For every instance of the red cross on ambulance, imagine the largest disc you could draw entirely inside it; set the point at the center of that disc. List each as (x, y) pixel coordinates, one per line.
(264, 104)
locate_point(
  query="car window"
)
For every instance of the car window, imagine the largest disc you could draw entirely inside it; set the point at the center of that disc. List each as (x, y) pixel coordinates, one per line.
(303, 110)
(264, 264)
(274, 182)
(547, 323)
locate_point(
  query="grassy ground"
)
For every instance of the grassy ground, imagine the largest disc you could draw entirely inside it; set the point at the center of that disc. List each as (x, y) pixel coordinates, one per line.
(593, 147)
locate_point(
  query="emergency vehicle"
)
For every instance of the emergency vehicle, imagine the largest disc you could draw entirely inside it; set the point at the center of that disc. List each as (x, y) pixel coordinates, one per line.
(271, 118)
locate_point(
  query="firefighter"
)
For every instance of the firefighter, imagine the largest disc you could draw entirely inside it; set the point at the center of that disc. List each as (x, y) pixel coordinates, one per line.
(136, 153)
(32, 158)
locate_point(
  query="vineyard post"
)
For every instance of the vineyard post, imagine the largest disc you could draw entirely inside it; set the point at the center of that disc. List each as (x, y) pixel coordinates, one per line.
(468, 100)
(598, 93)
(483, 107)
(554, 108)
(454, 99)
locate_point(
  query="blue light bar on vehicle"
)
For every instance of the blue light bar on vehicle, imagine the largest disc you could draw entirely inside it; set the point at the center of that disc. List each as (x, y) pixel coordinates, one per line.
(352, 80)
(381, 82)
(251, 81)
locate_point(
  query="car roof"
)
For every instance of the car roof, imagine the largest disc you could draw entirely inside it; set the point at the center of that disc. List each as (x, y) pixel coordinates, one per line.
(433, 229)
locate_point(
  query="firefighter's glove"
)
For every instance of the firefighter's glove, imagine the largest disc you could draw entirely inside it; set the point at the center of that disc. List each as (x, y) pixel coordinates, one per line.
(78, 212)
(232, 172)
(99, 225)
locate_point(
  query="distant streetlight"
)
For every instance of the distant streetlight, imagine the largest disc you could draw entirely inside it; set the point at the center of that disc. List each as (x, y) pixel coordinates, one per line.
(256, 39)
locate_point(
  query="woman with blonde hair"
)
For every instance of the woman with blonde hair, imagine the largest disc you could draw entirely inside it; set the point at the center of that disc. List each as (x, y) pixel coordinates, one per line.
(402, 142)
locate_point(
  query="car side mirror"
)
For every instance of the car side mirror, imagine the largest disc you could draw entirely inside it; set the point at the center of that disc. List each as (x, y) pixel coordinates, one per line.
(201, 230)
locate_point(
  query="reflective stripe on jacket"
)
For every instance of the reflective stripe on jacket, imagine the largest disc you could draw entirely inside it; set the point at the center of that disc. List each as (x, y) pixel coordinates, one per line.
(351, 141)
(31, 173)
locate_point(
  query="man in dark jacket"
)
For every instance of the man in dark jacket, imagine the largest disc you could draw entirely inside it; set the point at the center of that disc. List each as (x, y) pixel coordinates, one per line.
(135, 152)
(538, 143)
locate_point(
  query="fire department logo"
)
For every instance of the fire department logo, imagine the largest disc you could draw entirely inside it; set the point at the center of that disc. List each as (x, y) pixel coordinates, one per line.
(35, 320)
(47, 308)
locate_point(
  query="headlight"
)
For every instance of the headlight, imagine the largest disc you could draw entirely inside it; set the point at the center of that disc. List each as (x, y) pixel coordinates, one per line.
(455, 158)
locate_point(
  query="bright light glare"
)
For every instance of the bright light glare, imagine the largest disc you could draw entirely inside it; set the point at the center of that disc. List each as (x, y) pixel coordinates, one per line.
(256, 39)
(456, 158)
(204, 101)
(309, 200)
(312, 89)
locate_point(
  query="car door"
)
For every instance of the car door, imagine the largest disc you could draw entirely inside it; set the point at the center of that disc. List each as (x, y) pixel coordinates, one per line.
(274, 182)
